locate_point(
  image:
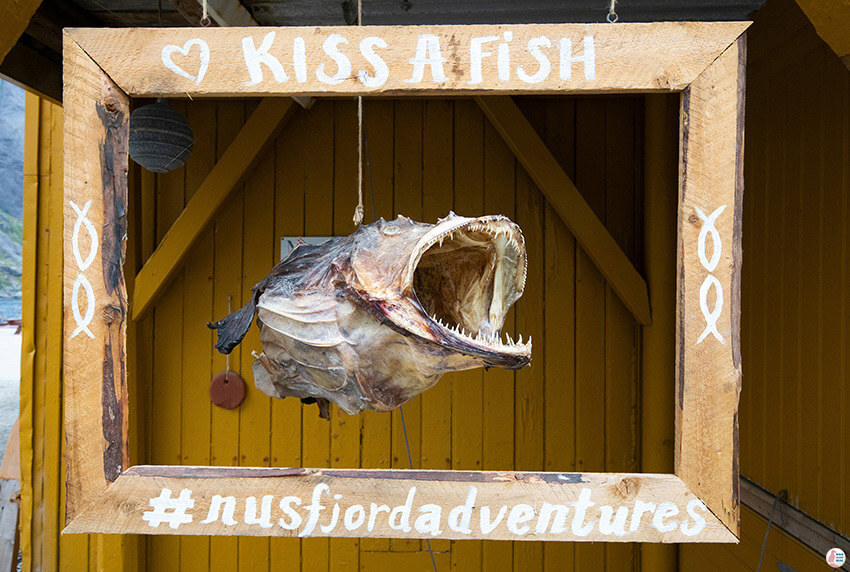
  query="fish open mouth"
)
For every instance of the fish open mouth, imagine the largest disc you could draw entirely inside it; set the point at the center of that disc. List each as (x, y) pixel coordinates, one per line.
(466, 276)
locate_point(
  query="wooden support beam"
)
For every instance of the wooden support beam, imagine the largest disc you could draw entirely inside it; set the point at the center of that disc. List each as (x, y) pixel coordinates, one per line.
(832, 23)
(14, 18)
(260, 129)
(796, 523)
(565, 198)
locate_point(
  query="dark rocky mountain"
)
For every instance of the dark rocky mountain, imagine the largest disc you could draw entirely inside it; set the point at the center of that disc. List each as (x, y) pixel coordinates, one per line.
(11, 188)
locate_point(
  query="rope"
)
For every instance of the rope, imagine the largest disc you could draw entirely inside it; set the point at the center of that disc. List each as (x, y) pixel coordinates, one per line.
(358, 211)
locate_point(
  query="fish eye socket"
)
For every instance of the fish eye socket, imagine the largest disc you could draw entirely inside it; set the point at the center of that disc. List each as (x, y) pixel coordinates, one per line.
(390, 230)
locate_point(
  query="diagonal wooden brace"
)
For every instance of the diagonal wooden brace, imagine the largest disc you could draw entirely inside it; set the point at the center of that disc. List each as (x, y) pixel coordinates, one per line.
(261, 129)
(565, 198)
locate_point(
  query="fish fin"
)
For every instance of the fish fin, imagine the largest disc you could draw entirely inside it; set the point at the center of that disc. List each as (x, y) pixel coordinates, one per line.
(233, 327)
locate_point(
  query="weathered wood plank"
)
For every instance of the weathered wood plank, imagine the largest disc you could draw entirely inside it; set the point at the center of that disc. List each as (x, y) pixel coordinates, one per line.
(709, 250)
(452, 59)
(15, 16)
(146, 499)
(563, 195)
(260, 129)
(95, 143)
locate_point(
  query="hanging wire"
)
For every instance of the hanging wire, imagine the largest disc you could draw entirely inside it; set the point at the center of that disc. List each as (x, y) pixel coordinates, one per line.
(766, 532)
(612, 12)
(410, 462)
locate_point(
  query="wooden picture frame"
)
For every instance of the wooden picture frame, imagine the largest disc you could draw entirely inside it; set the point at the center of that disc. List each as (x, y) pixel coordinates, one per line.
(705, 62)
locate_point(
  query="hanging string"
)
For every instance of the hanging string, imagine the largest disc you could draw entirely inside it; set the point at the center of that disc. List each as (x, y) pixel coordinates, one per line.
(410, 462)
(612, 12)
(358, 211)
(227, 355)
(766, 532)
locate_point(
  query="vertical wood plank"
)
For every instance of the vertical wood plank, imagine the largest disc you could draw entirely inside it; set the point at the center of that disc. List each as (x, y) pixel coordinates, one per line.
(773, 299)
(791, 387)
(39, 387)
(499, 391)
(559, 334)
(289, 221)
(376, 428)
(408, 202)
(29, 305)
(811, 496)
(832, 119)
(97, 114)
(345, 428)
(623, 206)
(437, 196)
(658, 340)
(197, 338)
(711, 179)
(467, 390)
(318, 194)
(258, 256)
(529, 389)
(227, 284)
(590, 312)
(167, 403)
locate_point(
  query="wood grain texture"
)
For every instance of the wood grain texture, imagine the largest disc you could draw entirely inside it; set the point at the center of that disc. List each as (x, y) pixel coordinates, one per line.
(709, 262)
(562, 193)
(271, 115)
(131, 504)
(15, 15)
(630, 57)
(96, 131)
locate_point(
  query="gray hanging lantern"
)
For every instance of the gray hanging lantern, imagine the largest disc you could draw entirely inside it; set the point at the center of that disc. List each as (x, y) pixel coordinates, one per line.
(160, 137)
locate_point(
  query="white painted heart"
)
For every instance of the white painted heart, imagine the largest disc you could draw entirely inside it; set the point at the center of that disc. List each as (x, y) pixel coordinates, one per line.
(168, 50)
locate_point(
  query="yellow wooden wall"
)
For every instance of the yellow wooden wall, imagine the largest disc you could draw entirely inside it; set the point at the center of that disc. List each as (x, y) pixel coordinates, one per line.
(573, 409)
(794, 426)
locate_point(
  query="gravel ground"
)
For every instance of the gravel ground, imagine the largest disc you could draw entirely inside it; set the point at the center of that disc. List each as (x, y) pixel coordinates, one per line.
(10, 379)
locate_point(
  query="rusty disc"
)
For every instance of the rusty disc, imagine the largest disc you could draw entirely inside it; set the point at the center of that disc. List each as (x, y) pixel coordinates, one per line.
(227, 390)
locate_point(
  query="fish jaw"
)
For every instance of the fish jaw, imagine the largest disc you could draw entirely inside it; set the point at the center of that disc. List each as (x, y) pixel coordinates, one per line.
(457, 283)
